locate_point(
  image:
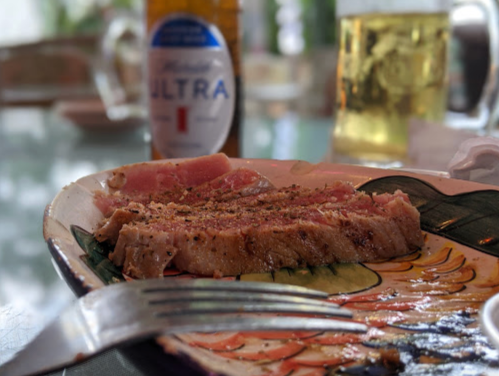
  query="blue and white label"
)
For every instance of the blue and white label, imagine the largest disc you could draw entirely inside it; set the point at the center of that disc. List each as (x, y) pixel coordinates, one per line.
(191, 87)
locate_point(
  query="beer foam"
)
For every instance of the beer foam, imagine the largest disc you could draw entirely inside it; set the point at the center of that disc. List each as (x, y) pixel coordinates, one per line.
(357, 7)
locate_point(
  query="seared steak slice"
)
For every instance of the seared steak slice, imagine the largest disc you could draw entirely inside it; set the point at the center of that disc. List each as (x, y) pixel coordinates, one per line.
(210, 240)
(220, 200)
(156, 177)
(233, 184)
(137, 182)
(142, 257)
(229, 187)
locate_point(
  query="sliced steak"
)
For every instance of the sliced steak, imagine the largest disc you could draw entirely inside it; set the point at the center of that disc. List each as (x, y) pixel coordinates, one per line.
(217, 239)
(232, 200)
(137, 182)
(236, 183)
(156, 177)
(142, 257)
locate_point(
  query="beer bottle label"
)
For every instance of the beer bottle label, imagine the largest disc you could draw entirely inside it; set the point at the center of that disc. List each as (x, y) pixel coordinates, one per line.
(191, 86)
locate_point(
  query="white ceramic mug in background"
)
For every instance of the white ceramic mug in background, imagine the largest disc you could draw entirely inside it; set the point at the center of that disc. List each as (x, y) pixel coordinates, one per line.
(392, 67)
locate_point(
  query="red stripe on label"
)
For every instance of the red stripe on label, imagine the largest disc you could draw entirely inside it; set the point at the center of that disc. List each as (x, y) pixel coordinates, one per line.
(182, 119)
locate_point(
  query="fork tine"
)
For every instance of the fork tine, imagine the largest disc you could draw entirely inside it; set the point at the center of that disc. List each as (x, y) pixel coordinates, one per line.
(264, 297)
(222, 285)
(227, 297)
(222, 302)
(210, 323)
(239, 307)
(174, 297)
(203, 296)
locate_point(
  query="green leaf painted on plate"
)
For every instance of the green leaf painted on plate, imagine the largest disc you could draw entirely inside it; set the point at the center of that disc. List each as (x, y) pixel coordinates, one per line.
(470, 218)
(96, 256)
(333, 279)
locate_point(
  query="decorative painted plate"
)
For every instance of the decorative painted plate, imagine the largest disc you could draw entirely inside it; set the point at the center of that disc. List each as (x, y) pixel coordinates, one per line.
(422, 308)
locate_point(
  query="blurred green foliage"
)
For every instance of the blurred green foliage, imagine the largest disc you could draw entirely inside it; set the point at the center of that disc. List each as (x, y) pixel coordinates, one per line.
(71, 17)
(273, 27)
(319, 23)
(319, 19)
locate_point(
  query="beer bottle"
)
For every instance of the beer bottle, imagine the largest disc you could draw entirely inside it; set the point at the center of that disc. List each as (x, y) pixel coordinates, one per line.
(194, 77)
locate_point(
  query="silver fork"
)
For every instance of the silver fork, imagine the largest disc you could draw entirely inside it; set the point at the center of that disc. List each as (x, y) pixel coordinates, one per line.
(126, 312)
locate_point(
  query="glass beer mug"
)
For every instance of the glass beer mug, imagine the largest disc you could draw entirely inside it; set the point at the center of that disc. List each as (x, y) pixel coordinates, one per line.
(392, 67)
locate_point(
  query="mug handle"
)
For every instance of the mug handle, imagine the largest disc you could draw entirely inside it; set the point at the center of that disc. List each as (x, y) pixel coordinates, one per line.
(111, 90)
(487, 105)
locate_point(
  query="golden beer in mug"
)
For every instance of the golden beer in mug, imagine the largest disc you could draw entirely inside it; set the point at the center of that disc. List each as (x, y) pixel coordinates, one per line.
(391, 68)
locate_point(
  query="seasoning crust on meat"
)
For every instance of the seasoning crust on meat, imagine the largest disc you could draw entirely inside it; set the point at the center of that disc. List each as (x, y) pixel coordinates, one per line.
(237, 223)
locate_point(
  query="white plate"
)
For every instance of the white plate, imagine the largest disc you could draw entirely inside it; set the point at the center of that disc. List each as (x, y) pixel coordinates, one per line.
(461, 260)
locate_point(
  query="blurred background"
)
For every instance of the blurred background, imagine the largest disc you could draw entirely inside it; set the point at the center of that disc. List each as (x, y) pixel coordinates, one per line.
(47, 48)
(48, 51)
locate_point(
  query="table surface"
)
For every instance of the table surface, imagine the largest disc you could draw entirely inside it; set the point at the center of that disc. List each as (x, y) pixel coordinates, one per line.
(40, 153)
